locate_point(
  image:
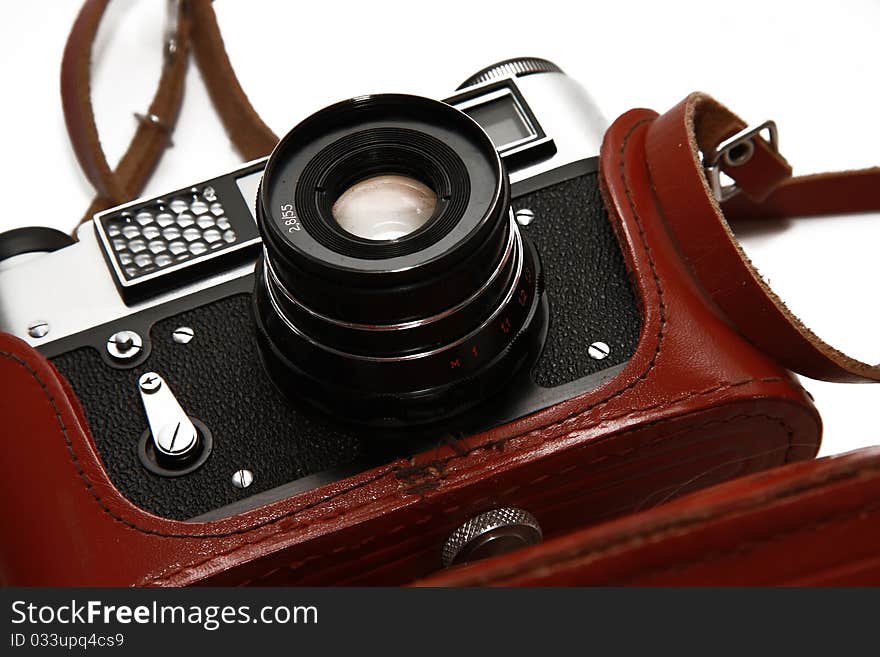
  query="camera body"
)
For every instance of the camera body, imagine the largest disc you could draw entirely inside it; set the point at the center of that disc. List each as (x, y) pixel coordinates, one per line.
(217, 375)
(638, 390)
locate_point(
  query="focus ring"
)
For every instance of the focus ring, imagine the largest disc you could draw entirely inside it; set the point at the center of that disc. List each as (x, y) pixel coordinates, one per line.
(517, 67)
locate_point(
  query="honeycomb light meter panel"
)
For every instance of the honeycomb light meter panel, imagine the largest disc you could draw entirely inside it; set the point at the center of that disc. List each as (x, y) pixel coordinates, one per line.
(161, 239)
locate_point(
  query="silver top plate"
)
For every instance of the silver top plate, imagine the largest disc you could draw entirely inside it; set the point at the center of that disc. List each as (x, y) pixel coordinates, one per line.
(73, 290)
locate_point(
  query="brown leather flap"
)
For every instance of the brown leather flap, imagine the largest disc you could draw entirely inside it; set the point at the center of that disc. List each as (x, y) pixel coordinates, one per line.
(809, 523)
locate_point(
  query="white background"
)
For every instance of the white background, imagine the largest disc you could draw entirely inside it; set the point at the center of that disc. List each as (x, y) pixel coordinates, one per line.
(811, 66)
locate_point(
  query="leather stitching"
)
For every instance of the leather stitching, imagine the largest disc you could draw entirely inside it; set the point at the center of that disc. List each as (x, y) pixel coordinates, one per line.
(745, 547)
(571, 470)
(614, 418)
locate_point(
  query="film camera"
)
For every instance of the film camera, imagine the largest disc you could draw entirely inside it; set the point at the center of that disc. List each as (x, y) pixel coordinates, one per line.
(399, 272)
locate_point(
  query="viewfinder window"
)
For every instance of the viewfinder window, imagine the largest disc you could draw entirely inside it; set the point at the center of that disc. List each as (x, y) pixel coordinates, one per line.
(502, 119)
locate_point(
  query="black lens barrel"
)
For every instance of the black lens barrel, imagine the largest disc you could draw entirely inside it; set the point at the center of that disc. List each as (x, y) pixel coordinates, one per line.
(404, 331)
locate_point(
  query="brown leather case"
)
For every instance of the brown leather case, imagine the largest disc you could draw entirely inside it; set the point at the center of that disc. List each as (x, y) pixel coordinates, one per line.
(697, 404)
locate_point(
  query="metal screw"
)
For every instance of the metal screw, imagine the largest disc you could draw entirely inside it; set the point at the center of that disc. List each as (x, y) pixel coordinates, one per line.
(150, 382)
(491, 533)
(182, 334)
(242, 478)
(524, 217)
(210, 194)
(124, 345)
(38, 329)
(598, 350)
(176, 440)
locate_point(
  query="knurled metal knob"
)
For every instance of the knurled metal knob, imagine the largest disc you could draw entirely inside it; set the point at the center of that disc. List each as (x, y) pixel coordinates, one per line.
(518, 67)
(491, 533)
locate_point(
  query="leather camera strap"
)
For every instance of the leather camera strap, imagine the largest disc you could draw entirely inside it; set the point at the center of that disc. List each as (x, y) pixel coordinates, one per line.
(193, 23)
(677, 146)
(251, 137)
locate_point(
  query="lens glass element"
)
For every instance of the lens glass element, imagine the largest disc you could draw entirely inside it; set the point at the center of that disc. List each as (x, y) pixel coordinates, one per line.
(385, 207)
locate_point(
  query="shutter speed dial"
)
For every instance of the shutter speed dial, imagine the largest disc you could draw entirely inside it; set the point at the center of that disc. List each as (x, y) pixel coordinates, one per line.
(175, 443)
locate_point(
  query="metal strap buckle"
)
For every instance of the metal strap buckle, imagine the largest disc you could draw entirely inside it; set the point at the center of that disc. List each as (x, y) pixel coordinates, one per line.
(735, 152)
(151, 119)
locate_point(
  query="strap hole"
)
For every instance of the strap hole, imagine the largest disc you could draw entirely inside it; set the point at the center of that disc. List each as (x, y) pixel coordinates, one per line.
(740, 153)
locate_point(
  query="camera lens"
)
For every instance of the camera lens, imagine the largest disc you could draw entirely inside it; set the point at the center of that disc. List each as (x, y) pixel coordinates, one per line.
(395, 287)
(385, 207)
